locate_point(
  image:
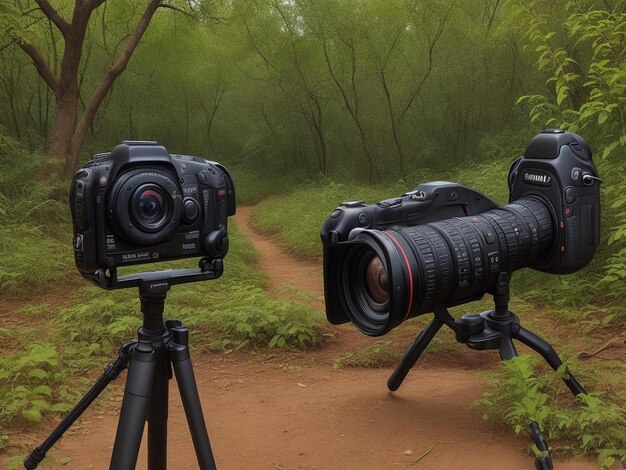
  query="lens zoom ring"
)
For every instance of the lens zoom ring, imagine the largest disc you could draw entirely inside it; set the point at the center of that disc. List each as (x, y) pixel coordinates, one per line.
(423, 251)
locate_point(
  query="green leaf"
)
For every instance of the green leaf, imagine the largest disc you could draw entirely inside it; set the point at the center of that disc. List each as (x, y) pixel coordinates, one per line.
(38, 374)
(608, 149)
(43, 390)
(32, 414)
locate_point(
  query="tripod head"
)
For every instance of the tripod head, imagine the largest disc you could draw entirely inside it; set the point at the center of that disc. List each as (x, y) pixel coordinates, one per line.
(154, 286)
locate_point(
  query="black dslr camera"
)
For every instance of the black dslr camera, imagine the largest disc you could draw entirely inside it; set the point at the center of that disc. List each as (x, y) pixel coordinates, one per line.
(444, 244)
(139, 204)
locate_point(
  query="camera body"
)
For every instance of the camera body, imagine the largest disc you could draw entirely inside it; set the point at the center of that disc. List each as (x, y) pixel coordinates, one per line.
(139, 204)
(556, 171)
(557, 167)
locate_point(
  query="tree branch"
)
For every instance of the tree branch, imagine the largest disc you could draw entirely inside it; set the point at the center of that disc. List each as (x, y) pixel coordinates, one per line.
(41, 66)
(175, 8)
(54, 16)
(112, 73)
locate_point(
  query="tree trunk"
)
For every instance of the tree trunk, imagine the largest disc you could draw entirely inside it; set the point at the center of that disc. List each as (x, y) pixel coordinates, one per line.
(59, 148)
(69, 131)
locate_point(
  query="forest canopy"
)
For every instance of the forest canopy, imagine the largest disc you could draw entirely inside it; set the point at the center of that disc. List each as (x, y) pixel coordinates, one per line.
(374, 90)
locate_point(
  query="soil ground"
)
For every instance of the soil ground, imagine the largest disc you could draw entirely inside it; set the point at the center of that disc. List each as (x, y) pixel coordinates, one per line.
(295, 411)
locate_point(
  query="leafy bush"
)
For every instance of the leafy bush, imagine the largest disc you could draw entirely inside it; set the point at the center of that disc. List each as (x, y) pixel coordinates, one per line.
(594, 424)
(589, 88)
(31, 383)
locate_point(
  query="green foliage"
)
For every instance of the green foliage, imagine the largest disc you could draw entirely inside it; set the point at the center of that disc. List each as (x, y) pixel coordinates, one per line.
(30, 260)
(18, 166)
(590, 81)
(376, 355)
(594, 425)
(31, 383)
(261, 321)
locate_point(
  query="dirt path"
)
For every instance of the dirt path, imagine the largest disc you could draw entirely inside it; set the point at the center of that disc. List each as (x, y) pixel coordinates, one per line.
(282, 268)
(294, 411)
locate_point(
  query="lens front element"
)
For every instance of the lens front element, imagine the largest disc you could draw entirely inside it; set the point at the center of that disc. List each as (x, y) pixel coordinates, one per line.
(376, 284)
(150, 208)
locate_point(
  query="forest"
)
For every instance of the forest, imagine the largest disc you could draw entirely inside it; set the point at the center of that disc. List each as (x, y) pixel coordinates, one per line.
(307, 103)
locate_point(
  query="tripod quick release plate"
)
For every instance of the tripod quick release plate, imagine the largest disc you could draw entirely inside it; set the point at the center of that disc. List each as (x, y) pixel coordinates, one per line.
(156, 281)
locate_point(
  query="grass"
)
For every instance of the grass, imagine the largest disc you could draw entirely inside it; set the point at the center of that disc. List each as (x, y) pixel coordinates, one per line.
(376, 355)
(296, 218)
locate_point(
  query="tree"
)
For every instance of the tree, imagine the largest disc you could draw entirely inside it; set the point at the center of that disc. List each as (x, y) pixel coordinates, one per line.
(70, 127)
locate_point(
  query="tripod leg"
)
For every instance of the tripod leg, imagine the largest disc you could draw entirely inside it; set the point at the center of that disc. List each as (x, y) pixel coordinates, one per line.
(507, 348)
(547, 352)
(157, 414)
(179, 355)
(413, 353)
(543, 461)
(110, 373)
(134, 407)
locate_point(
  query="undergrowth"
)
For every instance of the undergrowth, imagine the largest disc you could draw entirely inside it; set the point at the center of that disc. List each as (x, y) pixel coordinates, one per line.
(590, 424)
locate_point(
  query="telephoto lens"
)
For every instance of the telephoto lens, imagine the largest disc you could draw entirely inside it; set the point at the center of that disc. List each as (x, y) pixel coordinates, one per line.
(395, 274)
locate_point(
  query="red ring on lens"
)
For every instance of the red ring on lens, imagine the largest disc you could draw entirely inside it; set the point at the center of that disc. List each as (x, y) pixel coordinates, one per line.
(408, 266)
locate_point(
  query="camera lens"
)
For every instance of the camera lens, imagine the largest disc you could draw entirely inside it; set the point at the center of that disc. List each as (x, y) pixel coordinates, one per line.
(145, 205)
(365, 281)
(388, 276)
(150, 208)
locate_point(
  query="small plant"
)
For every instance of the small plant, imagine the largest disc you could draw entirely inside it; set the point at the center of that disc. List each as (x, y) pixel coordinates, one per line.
(591, 424)
(27, 380)
(376, 355)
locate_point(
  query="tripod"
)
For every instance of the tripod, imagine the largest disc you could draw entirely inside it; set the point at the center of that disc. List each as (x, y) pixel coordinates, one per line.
(160, 346)
(494, 329)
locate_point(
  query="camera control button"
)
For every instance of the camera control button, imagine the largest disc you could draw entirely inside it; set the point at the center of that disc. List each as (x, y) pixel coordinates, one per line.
(353, 203)
(489, 236)
(190, 210)
(203, 177)
(391, 202)
(336, 213)
(363, 218)
(570, 195)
